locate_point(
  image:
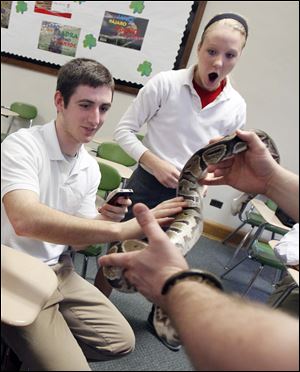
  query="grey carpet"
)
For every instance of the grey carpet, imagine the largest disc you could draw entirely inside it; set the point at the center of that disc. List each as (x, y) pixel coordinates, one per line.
(152, 355)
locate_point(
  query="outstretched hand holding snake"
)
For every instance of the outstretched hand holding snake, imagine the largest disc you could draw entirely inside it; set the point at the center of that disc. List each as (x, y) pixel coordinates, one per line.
(202, 315)
(187, 227)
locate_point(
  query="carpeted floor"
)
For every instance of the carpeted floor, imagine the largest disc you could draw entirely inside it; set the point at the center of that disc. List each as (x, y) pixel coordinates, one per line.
(152, 355)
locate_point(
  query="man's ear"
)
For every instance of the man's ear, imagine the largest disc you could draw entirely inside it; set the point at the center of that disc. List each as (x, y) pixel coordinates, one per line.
(59, 101)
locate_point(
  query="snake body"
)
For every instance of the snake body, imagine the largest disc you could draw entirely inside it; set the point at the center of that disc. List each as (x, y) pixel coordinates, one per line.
(187, 227)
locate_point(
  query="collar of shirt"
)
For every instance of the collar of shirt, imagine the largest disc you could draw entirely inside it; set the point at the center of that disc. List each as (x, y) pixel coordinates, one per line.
(187, 79)
(54, 151)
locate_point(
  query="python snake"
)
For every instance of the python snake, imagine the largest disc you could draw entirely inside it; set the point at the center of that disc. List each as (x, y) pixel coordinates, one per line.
(187, 227)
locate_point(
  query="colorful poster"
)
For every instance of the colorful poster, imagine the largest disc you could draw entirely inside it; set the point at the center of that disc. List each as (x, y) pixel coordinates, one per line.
(57, 38)
(123, 30)
(55, 8)
(5, 13)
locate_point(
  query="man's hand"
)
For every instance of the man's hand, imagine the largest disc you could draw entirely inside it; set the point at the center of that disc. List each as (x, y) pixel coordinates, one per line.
(115, 213)
(249, 171)
(149, 268)
(165, 211)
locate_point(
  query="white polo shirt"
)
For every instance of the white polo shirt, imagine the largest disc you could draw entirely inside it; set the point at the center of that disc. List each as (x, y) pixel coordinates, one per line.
(32, 160)
(177, 125)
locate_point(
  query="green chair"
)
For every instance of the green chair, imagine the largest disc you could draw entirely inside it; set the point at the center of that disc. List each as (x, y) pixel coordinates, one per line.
(113, 151)
(3, 136)
(140, 136)
(110, 180)
(249, 217)
(27, 112)
(263, 254)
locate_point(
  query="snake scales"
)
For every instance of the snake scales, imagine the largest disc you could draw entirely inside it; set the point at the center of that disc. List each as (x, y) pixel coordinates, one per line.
(187, 227)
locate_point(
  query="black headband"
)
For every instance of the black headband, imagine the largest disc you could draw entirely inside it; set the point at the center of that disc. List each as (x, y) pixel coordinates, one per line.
(230, 16)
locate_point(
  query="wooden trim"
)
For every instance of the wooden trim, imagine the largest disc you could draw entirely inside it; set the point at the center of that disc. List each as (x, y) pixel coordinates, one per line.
(215, 231)
(192, 35)
(29, 65)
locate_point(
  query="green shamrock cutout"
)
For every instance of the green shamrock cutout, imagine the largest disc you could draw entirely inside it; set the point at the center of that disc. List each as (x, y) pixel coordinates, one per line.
(145, 68)
(89, 41)
(137, 6)
(21, 7)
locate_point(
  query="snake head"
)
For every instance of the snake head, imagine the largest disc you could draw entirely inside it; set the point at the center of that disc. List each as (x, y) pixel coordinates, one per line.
(222, 149)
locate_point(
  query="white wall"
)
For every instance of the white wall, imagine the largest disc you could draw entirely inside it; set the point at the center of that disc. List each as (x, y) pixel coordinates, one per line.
(267, 76)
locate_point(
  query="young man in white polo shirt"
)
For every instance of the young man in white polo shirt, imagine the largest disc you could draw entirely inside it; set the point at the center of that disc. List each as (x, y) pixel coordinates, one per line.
(48, 193)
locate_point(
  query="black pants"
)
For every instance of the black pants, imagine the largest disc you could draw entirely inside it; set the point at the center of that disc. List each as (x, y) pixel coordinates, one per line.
(147, 189)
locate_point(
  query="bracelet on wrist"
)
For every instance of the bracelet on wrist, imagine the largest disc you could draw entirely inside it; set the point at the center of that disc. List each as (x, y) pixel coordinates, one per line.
(199, 276)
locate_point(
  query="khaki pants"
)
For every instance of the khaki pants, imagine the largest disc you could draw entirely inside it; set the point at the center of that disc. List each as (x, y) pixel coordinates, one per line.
(77, 323)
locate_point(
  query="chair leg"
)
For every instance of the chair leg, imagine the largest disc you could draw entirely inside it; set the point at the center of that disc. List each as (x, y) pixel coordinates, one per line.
(97, 264)
(234, 266)
(238, 248)
(284, 295)
(233, 232)
(277, 277)
(258, 271)
(84, 266)
(10, 125)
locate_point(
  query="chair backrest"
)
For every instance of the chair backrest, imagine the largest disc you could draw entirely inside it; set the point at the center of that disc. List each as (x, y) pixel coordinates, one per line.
(110, 177)
(26, 285)
(25, 110)
(113, 151)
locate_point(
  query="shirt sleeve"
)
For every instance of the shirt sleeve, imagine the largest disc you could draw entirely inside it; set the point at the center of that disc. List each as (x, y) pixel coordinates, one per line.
(19, 165)
(142, 109)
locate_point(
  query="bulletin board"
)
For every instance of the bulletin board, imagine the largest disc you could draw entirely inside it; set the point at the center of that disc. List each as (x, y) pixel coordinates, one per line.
(134, 39)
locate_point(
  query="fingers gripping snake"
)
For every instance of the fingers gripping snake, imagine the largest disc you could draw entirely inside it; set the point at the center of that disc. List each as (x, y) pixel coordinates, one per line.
(187, 227)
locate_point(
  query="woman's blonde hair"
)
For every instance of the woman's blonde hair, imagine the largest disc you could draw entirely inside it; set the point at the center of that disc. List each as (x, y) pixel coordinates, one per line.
(235, 21)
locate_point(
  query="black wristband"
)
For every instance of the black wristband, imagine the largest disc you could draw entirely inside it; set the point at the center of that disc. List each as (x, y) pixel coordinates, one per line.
(192, 274)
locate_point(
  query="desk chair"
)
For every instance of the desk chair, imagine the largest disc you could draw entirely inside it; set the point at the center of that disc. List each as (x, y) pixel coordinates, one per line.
(3, 136)
(248, 216)
(113, 151)
(293, 280)
(26, 112)
(23, 290)
(140, 136)
(263, 254)
(110, 180)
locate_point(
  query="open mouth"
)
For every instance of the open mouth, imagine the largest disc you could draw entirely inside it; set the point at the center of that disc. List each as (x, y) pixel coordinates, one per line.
(213, 76)
(89, 130)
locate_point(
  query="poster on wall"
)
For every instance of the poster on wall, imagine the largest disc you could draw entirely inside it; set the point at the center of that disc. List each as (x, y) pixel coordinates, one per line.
(5, 13)
(134, 39)
(58, 38)
(123, 30)
(55, 8)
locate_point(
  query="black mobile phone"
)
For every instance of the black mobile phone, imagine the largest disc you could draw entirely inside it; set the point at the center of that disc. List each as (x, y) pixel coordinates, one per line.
(115, 194)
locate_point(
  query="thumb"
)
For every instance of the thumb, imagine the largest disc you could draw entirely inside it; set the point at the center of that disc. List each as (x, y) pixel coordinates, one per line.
(148, 223)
